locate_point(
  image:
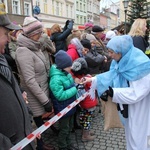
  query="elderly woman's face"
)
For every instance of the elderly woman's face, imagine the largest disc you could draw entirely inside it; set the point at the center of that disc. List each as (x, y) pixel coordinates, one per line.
(113, 55)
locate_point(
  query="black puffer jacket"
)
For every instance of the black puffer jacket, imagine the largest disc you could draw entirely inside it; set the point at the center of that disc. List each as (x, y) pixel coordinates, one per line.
(59, 38)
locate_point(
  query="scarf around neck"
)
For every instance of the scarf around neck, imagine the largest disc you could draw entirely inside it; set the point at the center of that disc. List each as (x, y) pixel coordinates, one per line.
(133, 65)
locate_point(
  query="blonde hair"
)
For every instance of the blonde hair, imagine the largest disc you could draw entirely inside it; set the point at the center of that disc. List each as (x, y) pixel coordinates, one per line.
(137, 27)
(55, 28)
(75, 34)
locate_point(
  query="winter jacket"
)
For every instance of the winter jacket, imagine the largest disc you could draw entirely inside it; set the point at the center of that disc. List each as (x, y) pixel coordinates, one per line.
(59, 39)
(94, 61)
(140, 42)
(11, 61)
(63, 90)
(33, 70)
(87, 103)
(15, 124)
(47, 48)
(72, 52)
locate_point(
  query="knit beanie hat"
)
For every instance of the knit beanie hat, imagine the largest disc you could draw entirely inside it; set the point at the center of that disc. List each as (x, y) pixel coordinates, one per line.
(96, 29)
(31, 26)
(88, 25)
(88, 36)
(62, 60)
(79, 67)
(86, 43)
(110, 34)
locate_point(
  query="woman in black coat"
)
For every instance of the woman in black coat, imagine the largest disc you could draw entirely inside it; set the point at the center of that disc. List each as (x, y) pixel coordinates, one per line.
(59, 36)
(138, 31)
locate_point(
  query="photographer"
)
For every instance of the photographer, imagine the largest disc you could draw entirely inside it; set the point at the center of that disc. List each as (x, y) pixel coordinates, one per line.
(59, 36)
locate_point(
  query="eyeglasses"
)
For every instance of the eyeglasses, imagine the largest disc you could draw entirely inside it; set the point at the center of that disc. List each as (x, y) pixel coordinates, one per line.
(42, 32)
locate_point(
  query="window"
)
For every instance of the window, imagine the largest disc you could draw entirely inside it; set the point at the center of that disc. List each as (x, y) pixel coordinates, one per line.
(80, 6)
(77, 19)
(84, 19)
(53, 8)
(57, 8)
(6, 6)
(27, 8)
(67, 10)
(80, 19)
(71, 11)
(77, 5)
(84, 8)
(45, 6)
(37, 2)
(16, 7)
(61, 9)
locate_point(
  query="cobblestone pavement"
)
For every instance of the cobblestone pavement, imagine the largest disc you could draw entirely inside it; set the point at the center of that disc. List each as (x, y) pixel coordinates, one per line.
(113, 139)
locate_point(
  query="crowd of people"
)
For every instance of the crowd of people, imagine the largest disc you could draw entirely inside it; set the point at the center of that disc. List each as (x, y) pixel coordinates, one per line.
(44, 73)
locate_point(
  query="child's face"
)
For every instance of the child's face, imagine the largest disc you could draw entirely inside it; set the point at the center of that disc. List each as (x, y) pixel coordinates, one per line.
(85, 51)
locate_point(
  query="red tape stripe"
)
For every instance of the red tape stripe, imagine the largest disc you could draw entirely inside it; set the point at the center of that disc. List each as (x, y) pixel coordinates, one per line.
(47, 123)
(59, 114)
(30, 136)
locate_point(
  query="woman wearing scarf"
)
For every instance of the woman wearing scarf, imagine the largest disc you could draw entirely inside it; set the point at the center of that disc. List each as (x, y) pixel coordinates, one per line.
(76, 49)
(129, 77)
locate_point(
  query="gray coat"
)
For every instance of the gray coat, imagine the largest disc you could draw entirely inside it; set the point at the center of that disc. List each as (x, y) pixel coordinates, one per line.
(32, 67)
(14, 118)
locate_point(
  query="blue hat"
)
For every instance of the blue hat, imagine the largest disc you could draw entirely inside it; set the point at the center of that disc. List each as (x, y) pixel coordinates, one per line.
(62, 60)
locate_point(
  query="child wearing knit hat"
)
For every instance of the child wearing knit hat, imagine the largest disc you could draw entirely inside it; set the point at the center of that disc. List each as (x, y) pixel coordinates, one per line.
(63, 92)
(80, 70)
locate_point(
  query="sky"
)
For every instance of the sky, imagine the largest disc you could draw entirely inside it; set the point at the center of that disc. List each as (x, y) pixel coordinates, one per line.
(115, 1)
(106, 3)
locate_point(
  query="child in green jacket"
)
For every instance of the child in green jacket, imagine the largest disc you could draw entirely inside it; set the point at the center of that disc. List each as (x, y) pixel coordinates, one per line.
(63, 92)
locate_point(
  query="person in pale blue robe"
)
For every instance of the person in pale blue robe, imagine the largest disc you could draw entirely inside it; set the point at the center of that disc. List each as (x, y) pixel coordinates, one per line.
(129, 77)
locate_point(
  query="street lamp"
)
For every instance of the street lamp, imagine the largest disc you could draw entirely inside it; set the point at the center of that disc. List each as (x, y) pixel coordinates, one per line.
(125, 4)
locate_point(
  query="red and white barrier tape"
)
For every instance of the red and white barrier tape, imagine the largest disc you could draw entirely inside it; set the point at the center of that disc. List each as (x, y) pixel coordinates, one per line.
(46, 125)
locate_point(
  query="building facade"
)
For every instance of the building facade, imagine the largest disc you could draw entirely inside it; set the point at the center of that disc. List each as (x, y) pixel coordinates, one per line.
(112, 16)
(93, 11)
(54, 11)
(18, 9)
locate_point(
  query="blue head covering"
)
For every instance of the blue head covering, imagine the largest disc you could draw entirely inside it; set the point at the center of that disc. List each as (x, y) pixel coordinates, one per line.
(133, 65)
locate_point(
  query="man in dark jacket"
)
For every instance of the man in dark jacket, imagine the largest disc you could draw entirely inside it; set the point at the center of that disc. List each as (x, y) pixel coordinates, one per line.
(14, 118)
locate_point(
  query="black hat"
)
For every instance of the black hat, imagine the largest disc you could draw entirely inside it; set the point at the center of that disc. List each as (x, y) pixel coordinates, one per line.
(62, 60)
(96, 29)
(4, 20)
(86, 43)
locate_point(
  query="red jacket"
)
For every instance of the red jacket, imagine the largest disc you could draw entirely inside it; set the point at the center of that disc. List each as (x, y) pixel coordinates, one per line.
(87, 102)
(72, 52)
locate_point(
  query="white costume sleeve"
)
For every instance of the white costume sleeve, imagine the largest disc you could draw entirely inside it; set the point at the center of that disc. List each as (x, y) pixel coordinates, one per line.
(136, 92)
(93, 88)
